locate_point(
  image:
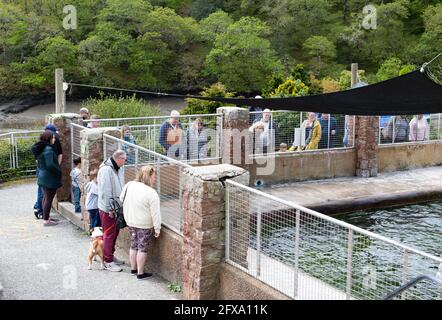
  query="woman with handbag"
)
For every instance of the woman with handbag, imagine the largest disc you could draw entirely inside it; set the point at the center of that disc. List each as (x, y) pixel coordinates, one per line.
(141, 207)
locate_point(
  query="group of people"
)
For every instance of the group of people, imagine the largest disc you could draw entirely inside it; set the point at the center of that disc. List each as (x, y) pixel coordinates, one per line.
(85, 115)
(141, 207)
(140, 201)
(190, 144)
(399, 129)
(320, 133)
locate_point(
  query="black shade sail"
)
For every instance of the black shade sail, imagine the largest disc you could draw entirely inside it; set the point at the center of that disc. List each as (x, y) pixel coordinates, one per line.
(412, 93)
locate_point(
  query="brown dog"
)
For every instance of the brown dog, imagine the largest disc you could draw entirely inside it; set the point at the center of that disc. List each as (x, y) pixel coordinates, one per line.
(96, 248)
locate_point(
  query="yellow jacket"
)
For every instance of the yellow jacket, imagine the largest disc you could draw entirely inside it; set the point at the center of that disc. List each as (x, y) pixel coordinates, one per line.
(314, 141)
(316, 136)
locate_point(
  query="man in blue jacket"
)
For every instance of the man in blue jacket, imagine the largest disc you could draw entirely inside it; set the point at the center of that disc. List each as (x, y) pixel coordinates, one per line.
(328, 135)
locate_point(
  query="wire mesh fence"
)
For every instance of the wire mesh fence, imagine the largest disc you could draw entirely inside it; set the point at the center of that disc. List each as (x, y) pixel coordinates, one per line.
(168, 172)
(76, 130)
(279, 131)
(16, 158)
(307, 255)
(184, 137)
(418, 128)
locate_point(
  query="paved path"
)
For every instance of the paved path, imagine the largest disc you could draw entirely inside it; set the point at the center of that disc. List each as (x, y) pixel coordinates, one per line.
(51, 263)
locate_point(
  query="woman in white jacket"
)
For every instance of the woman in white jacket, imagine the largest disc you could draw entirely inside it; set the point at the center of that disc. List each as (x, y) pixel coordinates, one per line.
(141, 208)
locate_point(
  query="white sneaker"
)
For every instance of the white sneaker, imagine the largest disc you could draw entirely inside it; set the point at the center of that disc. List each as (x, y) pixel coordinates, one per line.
(111, 266)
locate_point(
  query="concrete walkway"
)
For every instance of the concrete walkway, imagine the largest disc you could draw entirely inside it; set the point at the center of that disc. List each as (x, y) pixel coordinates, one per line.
(353, 193)
(39, 262)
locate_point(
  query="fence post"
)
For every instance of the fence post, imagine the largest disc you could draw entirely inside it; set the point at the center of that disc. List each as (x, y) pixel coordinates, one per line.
(159, 175)
(258, 244)
(349, 263)
(328, 132)
(379, 131)
(235, 135)
(405, 273)
(438, 128)
(72, 144)
(296, 271)
(227, 197)
(14, 159)
(204, 230)
(11, 152)
(59, 92)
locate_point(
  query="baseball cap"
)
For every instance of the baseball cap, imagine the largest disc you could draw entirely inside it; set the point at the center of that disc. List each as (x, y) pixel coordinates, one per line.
(174, 113)
(51, 127)
(84, 110)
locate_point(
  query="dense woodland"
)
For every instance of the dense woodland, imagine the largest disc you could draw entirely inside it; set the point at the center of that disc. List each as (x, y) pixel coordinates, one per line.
(273, 47)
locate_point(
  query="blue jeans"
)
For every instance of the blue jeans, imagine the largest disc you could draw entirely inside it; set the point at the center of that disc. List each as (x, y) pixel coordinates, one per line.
(39, 203)
(77, 194)
(94, 218)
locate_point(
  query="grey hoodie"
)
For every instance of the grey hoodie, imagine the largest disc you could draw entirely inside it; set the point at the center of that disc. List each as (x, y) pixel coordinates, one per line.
(110, 184)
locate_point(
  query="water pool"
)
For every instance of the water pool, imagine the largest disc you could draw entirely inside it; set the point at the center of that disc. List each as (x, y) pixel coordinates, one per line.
(377, 267)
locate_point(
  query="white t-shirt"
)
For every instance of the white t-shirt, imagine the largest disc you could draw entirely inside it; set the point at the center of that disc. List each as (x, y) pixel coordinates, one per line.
(141, 206)
(92, 195)
(76, 177)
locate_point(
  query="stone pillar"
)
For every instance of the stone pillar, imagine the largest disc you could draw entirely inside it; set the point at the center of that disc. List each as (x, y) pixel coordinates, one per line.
(62, 122)
(366, 143)
(203, 201)
(91, 158)
(235, 136)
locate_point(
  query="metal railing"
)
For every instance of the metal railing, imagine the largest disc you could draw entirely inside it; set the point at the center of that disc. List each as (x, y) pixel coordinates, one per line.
(76, 130)
(308, 255)
(195, 142)
(268, 133)
(16, 158)
(169, 172)
(414, 282)
(409, 129)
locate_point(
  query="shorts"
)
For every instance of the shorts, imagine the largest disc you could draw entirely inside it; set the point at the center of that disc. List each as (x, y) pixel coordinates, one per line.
(140, 238)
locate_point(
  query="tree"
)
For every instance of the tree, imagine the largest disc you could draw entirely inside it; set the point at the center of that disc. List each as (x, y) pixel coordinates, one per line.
(242, 58)
(203, 8)
(393, 67)
(54, 53)
(321, 50)
(345, 79)
(294, 21)
(215, 24)
(430, 43)
(389, 39)
(198, 106)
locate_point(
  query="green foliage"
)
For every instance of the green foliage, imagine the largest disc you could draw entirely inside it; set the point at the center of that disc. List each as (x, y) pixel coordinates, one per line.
(242, 58)
(345, 79)
(198, 106)
(120, 107)
(187, 44)
(174, 287)
(393, 67)
(203, 8)
(321, 50)
(53, 53)
(25, 165)
(215, 24)
(290, 88)
(287, 122)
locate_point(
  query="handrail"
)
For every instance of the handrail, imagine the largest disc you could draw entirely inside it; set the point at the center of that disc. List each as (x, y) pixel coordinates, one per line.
(154, 117)
(412, 282)
(177, 162)
(334, 220)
